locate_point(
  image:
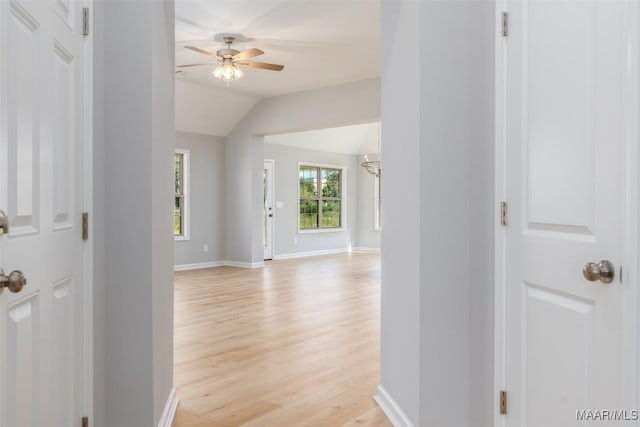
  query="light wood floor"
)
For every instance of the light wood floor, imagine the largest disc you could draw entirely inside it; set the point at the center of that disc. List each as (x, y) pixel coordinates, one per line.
(293, 344)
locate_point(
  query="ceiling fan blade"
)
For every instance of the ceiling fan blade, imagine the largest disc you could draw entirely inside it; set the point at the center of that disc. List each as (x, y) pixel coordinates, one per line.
(202, 51)
(262, 65)
(191, 65)
(250, 53)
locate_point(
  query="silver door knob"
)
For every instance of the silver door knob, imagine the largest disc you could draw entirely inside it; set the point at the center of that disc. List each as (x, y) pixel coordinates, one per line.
(4, 223)
(15, 281)
(603, 271)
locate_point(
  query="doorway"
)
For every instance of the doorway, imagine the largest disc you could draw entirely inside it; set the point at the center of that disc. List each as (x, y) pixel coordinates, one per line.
(267, 214)
(45, 361)
(566, 316)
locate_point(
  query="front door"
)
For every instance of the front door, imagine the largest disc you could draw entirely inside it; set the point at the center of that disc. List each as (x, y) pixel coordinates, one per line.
(41, 175)
(267, 215)
(570, 119)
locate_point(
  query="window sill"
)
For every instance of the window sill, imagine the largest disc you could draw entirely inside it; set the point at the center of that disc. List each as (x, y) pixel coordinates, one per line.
(181, 238)
(322, 230)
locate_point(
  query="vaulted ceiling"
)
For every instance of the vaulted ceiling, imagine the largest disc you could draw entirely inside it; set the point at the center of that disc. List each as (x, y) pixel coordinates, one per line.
(320, 43)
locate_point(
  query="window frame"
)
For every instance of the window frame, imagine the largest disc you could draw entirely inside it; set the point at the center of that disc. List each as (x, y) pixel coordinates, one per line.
(186, 169)
(377, 207)
(343, 198)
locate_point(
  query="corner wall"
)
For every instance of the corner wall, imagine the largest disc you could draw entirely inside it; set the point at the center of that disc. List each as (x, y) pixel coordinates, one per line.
(133, 258)
(437, 263)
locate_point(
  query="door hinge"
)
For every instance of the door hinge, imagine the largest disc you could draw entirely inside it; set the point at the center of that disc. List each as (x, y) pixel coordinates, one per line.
(503, 402)
(504, 213)
(85, 225)
(85, 421)
(85, 21)
(505, 24)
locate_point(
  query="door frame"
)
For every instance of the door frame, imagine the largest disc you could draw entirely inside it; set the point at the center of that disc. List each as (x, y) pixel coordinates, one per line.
(272, 183)
(87, 206)
(631, 194)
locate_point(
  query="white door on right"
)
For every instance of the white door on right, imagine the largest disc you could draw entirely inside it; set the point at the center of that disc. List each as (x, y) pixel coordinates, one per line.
(569, 120)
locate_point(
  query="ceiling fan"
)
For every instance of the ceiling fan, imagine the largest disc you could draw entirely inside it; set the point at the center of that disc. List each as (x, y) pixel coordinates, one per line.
(229, 60)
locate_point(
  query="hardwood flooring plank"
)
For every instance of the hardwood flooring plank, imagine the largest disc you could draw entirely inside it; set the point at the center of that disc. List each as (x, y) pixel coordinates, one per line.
(293, 344)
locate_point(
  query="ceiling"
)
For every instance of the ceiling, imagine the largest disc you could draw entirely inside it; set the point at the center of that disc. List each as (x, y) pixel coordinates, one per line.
(320, 42)
(356, 139)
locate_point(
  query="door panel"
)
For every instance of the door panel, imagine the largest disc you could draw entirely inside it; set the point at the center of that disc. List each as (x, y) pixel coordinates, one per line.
(566, 140)
(63, 120)
(23, 42)
(64, 353)
(23, 386)
(41, 123)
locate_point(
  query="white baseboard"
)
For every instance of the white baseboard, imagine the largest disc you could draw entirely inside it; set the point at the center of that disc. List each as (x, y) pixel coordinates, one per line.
(311, 253)
(169, 409)
(259, 264)
(366, 250)
(198, 265)
(391, 409)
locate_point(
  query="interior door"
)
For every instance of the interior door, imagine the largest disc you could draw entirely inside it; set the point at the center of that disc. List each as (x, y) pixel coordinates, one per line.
(41, 141)
(568, 115)
(267, 229)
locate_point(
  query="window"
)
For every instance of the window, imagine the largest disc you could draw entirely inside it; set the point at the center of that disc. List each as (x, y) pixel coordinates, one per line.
(321, 197)
(377, 202)
(181, 203)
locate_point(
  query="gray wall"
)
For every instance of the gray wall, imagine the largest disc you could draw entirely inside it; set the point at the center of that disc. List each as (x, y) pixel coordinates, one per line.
(340, 105)
(286, 190)
(401, 272)
(438, 111)
(133, 258)
(207, 196)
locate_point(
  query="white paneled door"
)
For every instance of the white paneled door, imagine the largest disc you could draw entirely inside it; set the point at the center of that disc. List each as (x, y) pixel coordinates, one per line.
(267, 227)
(570, 124)
(41, 175)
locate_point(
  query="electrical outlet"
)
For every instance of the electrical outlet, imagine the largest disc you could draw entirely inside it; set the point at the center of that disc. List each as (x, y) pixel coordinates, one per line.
(205, 248)
(295, 240)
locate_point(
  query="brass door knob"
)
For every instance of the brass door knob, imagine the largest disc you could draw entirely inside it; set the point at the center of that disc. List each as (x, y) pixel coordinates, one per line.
(15, 281)
(603, 271)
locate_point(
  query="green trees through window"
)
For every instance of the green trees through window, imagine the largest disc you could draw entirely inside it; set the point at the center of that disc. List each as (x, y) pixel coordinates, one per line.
(178, 209)
(320, 197)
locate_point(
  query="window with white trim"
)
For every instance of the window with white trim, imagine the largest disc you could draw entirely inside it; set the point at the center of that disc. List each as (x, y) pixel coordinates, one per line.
(181, 193)
(321, 197)
(377, 202)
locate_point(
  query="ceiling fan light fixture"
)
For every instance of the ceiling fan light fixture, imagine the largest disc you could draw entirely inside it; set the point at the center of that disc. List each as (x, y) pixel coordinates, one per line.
(227, 71)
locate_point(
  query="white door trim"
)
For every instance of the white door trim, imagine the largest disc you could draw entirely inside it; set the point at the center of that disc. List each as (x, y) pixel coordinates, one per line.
(630, 266)
(87, 206)
(630, 262)
(500, 232)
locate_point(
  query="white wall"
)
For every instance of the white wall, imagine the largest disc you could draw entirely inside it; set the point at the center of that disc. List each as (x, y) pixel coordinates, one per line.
(209, 110)
(206, 200)
(133, 258)
(437, 333)
(341, 105)
(286, 190)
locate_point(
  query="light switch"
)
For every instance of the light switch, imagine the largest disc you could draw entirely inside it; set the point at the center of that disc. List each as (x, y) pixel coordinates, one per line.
(279, 205)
